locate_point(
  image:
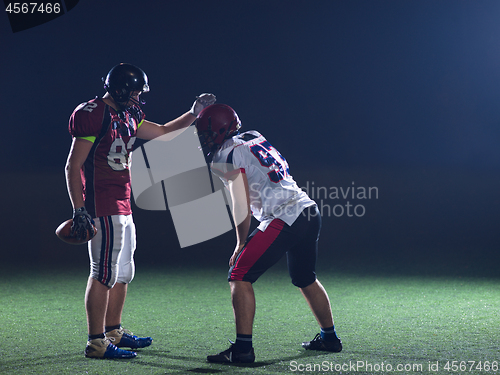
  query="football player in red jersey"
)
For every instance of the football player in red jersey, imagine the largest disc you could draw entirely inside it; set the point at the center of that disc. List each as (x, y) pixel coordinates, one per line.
(98, 180)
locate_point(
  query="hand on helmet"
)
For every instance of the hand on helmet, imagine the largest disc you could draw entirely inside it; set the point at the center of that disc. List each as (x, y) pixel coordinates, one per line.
(202, 101)
(82, 222)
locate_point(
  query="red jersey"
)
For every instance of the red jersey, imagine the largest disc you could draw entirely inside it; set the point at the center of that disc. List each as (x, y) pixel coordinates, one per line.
(106, 172)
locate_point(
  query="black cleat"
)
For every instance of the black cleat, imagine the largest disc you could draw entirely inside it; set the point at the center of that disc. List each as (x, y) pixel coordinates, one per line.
(232, 356)
(317, 343)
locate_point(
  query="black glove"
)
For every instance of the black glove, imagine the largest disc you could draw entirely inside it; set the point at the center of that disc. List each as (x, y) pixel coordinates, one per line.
(82, 222)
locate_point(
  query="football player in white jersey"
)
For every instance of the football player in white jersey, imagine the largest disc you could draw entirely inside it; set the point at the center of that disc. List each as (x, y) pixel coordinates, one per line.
(258, 179)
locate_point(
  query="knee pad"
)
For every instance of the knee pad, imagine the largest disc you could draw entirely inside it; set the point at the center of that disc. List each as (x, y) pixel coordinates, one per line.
(126, 272)
(107, 276)
(117, 271)
(117, 274)
(304, 280)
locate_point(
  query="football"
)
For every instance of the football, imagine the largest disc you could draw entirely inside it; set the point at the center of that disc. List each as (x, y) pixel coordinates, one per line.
(63, 231)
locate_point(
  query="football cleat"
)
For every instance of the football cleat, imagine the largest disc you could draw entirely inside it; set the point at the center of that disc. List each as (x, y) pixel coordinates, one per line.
(317, 343)
(103, 348)
(232, 356)
(123, 338)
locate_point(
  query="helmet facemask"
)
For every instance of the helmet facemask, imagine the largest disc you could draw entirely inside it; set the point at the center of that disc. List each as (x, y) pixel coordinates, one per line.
(214, 125)
(125, 99)
(121, 82)
(207, 142)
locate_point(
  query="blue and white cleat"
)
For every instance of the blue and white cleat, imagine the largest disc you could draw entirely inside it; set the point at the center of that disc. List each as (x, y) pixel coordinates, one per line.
(104, 349)
(123, 338)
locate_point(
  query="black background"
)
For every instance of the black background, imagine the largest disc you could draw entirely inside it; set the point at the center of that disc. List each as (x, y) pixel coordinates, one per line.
(398, 95)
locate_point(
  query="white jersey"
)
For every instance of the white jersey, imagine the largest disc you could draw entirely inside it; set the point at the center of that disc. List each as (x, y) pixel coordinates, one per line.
(273, 192)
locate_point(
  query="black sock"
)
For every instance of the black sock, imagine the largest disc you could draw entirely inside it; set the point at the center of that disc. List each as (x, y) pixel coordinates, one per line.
(110, 328)
(328, 334)
(243, 343)
(99, 336)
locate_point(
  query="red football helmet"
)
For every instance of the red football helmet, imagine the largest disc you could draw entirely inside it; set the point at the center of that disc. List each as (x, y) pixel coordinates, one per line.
(214, 125)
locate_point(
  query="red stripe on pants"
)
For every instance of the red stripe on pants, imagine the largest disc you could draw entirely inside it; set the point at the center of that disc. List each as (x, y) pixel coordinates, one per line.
(255, 248)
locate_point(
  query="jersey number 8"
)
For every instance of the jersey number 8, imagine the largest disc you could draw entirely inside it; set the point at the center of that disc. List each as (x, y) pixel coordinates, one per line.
(118, 156)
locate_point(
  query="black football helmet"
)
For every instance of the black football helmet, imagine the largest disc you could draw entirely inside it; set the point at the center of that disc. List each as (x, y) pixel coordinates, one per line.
(122, 80)
(214, 125)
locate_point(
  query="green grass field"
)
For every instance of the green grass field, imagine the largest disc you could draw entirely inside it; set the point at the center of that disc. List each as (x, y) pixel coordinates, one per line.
(417, 324)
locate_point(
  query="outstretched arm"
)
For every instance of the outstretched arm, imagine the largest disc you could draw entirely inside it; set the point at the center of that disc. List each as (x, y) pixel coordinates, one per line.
(150, 130)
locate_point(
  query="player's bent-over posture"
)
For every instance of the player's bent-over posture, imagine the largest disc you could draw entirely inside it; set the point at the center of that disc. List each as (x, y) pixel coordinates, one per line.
(259, 182)
(98, 180)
